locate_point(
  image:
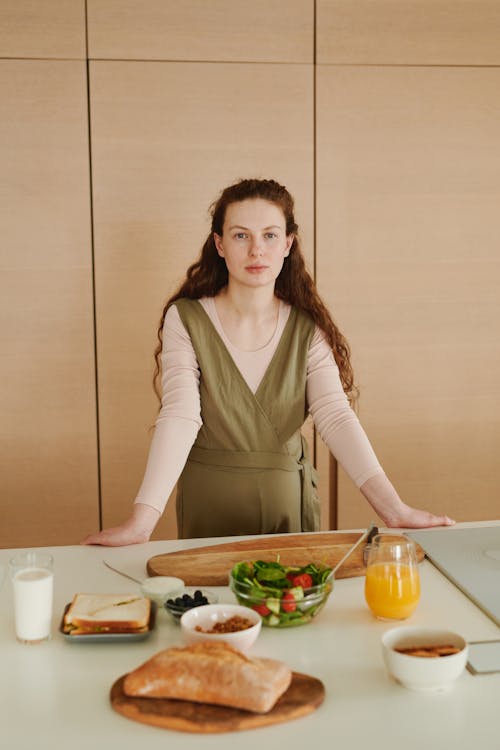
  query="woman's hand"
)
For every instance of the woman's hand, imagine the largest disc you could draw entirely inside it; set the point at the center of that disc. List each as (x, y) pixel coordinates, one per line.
(413, 518)
(393, 511)
(136, 530)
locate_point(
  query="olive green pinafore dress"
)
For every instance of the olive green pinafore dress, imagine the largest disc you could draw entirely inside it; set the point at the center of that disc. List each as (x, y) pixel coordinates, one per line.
(248, 471)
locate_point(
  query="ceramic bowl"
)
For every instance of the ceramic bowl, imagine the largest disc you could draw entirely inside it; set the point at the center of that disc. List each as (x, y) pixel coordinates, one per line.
(423, 672)
(160, 588)
(208, 616)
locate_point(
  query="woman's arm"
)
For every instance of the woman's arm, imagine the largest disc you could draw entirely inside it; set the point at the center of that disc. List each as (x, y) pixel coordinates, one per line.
(175, 432)
(341, 430)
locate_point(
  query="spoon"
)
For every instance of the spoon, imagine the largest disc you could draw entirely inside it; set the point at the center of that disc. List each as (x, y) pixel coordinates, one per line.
(120, 572)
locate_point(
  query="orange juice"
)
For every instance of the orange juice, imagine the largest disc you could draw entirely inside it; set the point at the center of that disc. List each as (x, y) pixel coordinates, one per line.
(392, 589)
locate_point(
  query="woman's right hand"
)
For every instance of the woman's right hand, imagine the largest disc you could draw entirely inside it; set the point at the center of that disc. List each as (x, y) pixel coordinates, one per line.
(136, 530)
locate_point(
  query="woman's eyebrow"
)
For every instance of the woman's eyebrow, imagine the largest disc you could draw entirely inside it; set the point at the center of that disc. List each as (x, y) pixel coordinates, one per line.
(238, 226)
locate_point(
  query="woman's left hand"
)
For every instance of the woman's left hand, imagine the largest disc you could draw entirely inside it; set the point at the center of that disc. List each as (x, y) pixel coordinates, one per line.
(413, 518)
(393, 511)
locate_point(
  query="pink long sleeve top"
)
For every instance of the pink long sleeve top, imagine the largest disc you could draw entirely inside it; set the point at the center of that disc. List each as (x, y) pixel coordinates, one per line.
(179, 418)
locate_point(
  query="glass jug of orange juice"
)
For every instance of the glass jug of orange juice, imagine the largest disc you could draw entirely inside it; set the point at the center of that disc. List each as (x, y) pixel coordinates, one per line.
(392, 585)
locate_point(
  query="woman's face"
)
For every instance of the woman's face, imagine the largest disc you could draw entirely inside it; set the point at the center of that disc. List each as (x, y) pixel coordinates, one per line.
(254, 242)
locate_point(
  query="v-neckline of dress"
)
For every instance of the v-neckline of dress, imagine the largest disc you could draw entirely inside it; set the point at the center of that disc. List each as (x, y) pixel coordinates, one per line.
(235, 367)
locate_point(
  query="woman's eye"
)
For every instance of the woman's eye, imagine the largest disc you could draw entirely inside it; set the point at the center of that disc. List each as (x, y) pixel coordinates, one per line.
(271, 235)
(240, 235)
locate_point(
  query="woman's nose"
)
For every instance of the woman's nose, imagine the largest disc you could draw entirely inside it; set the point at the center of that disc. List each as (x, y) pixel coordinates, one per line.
(256, 246)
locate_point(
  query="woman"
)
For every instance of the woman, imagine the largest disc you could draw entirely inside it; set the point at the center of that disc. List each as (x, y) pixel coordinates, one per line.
(247, 348)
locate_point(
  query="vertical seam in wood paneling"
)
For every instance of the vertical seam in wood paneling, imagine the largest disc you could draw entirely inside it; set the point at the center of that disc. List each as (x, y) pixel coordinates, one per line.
(332, 520)
(92, 250)
(332, 463)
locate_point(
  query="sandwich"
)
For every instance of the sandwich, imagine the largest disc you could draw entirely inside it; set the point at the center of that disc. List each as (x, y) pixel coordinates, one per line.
(107, 613)
(209, 672)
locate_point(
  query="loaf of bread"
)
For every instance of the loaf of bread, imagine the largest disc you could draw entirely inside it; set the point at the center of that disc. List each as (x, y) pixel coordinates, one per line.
(211, 673)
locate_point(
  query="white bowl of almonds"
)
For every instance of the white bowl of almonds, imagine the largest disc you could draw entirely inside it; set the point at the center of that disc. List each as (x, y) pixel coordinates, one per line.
(424, 658)
(238, 626)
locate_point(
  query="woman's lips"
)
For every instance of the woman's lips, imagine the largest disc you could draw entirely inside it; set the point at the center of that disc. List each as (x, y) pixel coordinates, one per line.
(256, 269)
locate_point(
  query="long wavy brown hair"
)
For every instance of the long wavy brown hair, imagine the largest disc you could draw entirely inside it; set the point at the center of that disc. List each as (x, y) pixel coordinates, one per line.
(208, 275)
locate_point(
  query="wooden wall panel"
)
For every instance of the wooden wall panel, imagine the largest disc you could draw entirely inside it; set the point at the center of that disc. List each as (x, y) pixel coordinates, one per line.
(166, 138)
(408, 234)
(327, 482)
(408, 32)
(47, 28)
(219, 30)
(48, 458)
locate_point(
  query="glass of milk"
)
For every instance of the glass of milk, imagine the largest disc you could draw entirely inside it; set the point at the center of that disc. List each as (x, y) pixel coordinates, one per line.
(32, 575)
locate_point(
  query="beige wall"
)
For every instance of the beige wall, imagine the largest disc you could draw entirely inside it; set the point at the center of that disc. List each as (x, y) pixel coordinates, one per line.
(384, 126)
(414, 271)
(150, 213)
(48, 456)
(408, 155)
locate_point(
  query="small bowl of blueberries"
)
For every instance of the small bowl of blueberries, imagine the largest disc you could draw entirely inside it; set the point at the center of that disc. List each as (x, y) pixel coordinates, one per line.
(187, 599)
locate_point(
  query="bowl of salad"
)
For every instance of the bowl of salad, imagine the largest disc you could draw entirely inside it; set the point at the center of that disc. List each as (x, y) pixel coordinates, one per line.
(283, 595)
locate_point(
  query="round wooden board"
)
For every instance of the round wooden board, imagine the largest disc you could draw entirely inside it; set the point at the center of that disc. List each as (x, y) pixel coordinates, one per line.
(303, 696)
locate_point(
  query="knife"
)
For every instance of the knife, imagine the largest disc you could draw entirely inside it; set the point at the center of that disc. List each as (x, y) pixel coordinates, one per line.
(369, 533)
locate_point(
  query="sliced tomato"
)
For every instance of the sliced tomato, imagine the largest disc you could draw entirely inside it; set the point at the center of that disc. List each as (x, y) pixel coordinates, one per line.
(262, 609)
(288, 603)
(304, 580)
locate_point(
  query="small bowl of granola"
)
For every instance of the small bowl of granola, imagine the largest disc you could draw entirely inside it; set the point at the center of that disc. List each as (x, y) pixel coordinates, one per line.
(236, 625)
(424, 658)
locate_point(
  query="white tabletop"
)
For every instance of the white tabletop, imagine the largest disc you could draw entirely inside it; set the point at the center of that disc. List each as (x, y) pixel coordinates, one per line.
(57, 694)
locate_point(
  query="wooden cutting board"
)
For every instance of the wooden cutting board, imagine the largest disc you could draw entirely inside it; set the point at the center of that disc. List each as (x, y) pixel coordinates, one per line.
(210, 566)
(303, 696)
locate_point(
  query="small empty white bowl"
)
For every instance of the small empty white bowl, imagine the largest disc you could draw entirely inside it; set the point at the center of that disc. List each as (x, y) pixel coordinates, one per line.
(160, 588)
(422, 672)
(208, 615)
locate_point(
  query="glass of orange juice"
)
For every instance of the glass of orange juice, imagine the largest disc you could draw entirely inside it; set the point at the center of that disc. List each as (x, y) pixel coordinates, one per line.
(392, 585)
